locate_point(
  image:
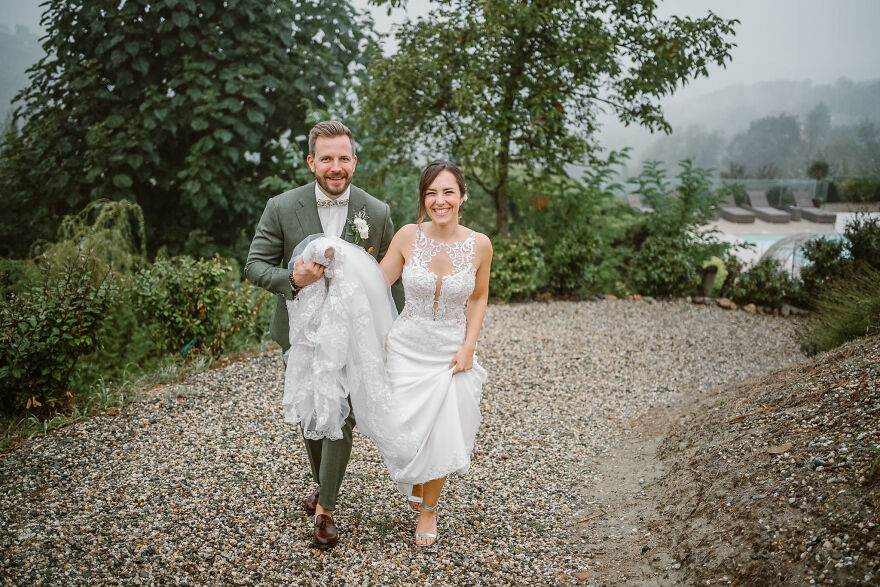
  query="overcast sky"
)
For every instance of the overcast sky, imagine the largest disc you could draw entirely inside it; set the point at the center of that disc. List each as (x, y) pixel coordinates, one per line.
(820, 40)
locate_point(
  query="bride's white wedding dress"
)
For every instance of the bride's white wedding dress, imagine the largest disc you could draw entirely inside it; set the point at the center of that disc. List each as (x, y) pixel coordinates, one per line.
(422, 418)
(436, 413)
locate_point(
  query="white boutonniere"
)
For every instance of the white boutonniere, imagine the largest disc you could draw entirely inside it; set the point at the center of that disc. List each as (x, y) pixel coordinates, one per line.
(358, 227)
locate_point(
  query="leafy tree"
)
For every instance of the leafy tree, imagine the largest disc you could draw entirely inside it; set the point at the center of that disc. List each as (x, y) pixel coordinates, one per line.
(496, 84)
(818, 124)
(734, 171)
(702, 146)
(818, 169)
(177, 105)
(771, 147)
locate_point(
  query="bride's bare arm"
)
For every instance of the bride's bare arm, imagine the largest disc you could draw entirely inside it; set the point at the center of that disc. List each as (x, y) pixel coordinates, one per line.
(476, 307)
(392, 262)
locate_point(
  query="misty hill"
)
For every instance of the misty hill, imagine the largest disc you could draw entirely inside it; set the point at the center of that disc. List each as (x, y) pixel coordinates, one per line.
(772, 129)
(731, 109)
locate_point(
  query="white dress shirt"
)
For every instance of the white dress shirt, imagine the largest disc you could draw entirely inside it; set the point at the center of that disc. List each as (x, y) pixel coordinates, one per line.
(332, 217)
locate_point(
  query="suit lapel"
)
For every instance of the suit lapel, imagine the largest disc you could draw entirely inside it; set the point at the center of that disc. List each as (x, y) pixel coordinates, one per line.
(356, 202)
(307, 211)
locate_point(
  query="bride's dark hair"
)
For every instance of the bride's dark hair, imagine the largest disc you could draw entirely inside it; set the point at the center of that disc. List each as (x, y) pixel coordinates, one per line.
(430, 174)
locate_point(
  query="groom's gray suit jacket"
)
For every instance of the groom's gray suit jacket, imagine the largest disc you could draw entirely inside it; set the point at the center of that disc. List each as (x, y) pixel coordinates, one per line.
(287, 220)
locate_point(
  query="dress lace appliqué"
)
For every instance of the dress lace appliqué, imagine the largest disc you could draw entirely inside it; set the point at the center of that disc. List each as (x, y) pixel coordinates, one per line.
(338, 328)
(440, 298)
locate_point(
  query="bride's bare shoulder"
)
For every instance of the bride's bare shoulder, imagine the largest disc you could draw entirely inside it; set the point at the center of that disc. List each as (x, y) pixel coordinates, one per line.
(407, 230)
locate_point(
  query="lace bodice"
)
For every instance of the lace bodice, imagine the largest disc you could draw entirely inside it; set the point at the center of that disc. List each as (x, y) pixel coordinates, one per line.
(438, 279)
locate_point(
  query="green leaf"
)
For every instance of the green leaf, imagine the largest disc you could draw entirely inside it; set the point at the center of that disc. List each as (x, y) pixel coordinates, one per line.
(135, 160)
(140, 65)
(180, 19)
(224, 135)
(115, 121)
(122, 180)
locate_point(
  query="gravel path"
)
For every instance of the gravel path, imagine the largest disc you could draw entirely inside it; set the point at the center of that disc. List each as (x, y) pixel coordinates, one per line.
(201, 481)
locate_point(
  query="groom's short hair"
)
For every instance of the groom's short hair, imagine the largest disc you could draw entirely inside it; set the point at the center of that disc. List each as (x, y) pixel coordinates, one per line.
(328, 129)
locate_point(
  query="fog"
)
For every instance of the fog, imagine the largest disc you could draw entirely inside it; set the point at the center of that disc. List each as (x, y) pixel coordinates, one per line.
(811, 44)
(808, 39)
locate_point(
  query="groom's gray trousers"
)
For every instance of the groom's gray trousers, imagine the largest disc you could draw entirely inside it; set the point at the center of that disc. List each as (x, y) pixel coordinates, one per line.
(329, 459)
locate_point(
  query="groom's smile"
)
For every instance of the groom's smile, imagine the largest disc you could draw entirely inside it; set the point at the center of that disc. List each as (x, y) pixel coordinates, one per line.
(333, 164)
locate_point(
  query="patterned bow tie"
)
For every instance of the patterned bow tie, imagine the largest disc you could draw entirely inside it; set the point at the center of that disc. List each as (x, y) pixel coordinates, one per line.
(330, 203)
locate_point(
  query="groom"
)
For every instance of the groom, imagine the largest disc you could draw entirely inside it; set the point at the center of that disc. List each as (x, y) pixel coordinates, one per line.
(329, 205)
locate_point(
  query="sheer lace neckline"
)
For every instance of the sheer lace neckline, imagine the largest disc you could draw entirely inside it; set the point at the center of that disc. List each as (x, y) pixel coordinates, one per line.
(445, 243)
(439, 291)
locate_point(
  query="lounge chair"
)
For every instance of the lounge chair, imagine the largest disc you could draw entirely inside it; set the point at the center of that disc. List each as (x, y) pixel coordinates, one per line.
(762, 208)
(804, 203)
(732, 213)
(635, 201)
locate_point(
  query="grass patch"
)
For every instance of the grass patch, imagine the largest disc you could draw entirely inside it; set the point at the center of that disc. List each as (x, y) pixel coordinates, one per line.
(847, 309)
(104, 395)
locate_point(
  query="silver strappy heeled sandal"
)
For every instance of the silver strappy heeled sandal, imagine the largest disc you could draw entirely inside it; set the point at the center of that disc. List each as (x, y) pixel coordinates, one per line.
(429, 534)
(414, 499)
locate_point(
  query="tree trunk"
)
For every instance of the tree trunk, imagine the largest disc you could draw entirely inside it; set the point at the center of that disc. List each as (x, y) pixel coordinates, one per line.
(502, 212)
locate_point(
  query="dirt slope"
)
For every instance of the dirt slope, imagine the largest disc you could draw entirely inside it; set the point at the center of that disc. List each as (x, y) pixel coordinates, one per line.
(777, 479)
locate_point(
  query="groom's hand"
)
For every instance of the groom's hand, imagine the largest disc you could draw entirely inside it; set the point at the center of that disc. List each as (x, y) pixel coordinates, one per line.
(306, 272)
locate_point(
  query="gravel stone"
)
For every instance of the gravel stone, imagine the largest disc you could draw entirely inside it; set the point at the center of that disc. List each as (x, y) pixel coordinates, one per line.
(201, 481)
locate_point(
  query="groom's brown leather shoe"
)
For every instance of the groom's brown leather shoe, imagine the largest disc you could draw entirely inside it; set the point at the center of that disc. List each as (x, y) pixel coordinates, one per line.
(325, 535)
(311, 502)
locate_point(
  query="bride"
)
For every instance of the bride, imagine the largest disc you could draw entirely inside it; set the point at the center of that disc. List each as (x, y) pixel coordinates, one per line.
(435, 380)
(423, 411)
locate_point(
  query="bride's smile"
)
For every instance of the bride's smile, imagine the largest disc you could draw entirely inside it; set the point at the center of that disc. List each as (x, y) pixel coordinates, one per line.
(443, 199)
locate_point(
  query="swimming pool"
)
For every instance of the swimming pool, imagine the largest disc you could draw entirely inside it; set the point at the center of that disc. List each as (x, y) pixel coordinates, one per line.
(788, 252)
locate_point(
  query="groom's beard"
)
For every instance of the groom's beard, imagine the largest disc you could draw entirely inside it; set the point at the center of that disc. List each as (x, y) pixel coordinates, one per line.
(329, 189)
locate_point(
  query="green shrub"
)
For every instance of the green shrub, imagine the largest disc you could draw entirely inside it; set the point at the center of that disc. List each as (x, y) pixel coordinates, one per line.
(181, 298)
(572, 264)
(665, 265)
(863, 236)
(12, 273)
(47, 326)
(557, 205)
(766, 283)
(847, 309)
(113, 231)
(518, 268)
(830, 259)
(668, 247)
(861, 189)
(250, 312)
(201, 301)
(125, 346)
(826, 262)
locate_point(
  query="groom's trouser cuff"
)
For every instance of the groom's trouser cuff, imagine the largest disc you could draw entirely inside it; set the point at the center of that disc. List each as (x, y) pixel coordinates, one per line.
(329, 459)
